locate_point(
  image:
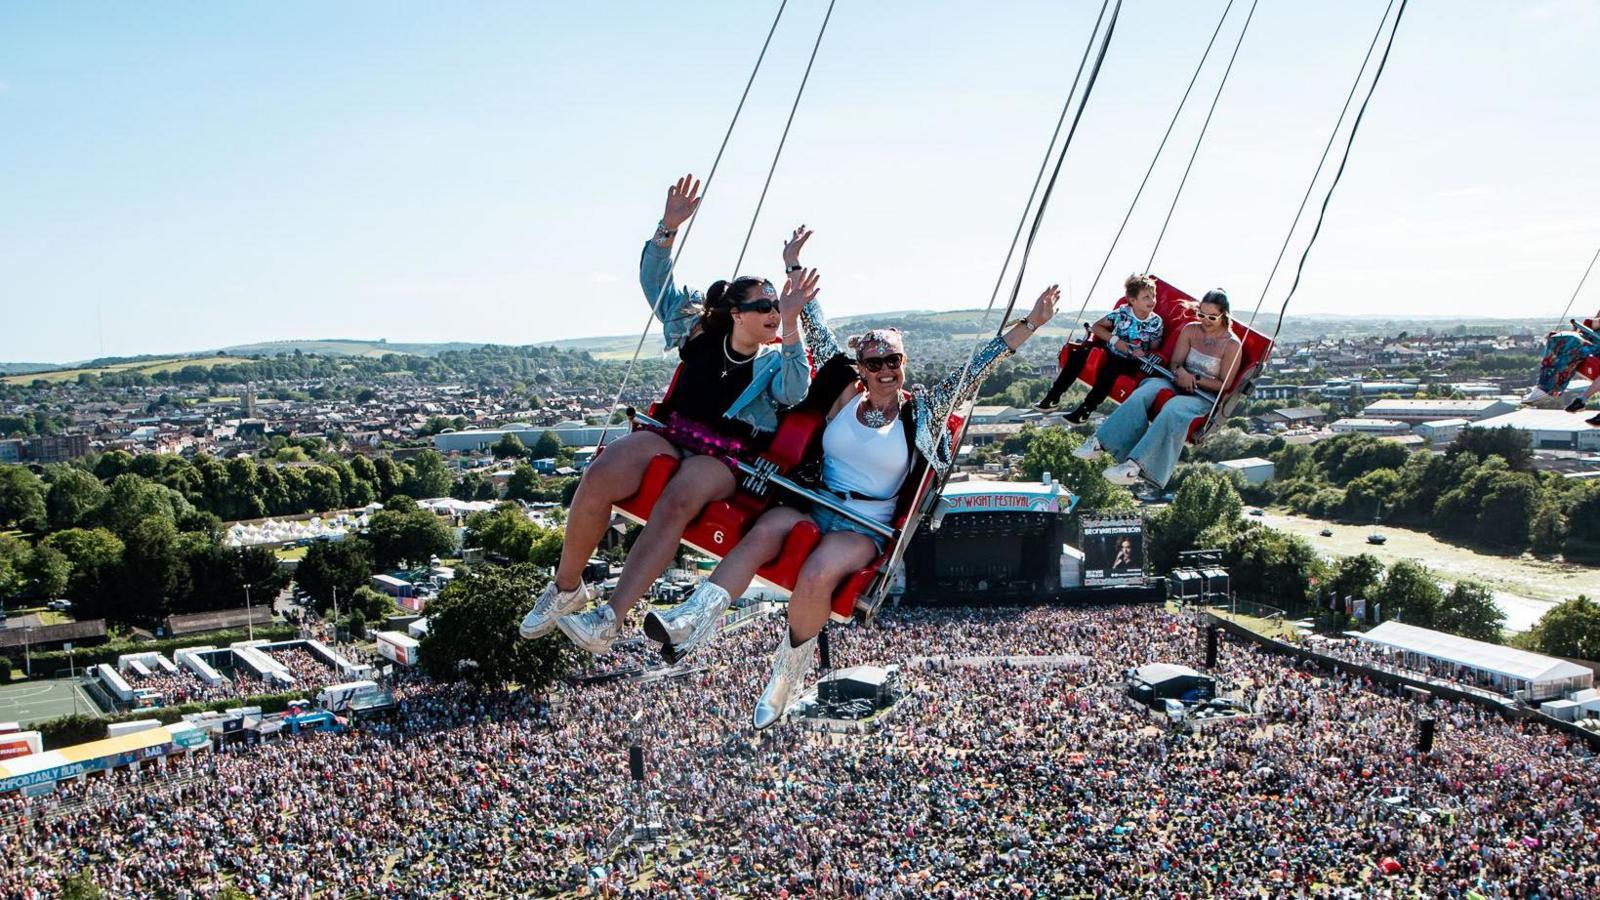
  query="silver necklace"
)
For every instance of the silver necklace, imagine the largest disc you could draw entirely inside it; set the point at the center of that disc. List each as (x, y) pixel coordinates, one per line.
(727, 353)
(873, 417)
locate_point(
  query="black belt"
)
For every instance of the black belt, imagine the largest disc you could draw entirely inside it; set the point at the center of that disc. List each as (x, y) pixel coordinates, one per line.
(852, 495)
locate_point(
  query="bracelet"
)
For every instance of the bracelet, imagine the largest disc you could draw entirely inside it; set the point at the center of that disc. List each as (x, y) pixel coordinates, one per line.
(664, 233)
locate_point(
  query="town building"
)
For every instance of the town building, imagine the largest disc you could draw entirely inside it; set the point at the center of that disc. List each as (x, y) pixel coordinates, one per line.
(1363, 425)
(1293, 417)
(1440, 432)
(1549, 429)
(1413, 411)
(1253, 469)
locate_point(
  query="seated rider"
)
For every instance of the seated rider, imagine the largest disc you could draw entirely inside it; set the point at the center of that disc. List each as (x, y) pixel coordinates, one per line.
(731, 381)
(874, 429)
(1205, 359)
(1130, 333)
(1564, 353)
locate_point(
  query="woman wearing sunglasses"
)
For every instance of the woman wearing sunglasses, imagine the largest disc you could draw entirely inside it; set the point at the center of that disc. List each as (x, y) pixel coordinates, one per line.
(1207, 351)
(874, 427)
(730, 383)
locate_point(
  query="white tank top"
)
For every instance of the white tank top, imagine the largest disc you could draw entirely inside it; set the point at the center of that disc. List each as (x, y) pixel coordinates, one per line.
(862, 460)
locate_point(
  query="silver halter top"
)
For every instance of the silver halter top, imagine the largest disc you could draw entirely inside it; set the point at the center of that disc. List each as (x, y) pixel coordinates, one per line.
(1203, 364)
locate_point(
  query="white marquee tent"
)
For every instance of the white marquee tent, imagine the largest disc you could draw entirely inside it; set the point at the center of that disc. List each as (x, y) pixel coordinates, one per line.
(1507, 668)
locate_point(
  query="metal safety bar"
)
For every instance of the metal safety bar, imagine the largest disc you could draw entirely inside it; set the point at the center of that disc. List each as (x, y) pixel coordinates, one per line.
(1149, 364)
(764, 474)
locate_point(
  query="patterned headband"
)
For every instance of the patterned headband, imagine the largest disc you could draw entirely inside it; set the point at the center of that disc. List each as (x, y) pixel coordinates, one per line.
(881, 341)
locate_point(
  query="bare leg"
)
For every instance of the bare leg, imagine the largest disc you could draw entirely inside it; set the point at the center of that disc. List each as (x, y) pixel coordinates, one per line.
(614, 475)
(699, 480)
(839, 554)
(757, 548)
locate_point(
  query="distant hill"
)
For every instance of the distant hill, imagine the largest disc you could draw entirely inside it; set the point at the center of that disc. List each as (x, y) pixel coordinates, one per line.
(343, 347)
(948, 325)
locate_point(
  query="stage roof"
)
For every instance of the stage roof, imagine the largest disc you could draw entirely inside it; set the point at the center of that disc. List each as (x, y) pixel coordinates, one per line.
(1158, 673)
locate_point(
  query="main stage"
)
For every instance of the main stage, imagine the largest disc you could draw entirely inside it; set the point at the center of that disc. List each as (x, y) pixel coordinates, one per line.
(1007, 542)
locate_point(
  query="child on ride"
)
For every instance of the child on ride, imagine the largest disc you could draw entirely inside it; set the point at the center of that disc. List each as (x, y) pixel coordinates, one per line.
(1130, 332)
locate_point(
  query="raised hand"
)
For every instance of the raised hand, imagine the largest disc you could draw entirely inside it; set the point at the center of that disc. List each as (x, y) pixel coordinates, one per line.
(792, 247)
(800, 289)
(683, 198)
(1044, 308)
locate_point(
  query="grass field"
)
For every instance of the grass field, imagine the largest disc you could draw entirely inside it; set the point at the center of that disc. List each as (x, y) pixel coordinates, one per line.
(1525, 588)
(147, 366)
(39, 701)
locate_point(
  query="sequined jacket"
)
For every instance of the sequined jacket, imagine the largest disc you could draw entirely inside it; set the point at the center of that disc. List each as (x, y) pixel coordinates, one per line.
(780, 374)
(925, 410)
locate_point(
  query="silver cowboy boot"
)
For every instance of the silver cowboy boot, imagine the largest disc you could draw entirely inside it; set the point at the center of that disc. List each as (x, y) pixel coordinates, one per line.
(789, 667)
(691, 624)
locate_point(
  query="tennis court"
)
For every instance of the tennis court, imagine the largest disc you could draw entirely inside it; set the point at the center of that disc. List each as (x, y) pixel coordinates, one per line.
(36, 701)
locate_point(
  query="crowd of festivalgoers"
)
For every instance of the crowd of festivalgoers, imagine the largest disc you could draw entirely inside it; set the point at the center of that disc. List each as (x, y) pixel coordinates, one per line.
(1001, 780)
(185, 686)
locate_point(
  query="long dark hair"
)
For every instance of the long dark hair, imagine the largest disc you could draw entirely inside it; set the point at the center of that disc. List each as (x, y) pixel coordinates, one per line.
(716, 317)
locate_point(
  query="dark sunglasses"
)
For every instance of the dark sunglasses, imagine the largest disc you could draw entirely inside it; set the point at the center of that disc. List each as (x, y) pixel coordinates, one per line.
(876, 363)
(756, 306)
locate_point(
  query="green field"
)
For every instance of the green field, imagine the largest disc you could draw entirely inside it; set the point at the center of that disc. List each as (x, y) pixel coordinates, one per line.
(147, 366)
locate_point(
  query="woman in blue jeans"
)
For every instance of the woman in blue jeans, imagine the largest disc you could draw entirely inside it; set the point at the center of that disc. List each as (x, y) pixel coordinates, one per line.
(1146, 448)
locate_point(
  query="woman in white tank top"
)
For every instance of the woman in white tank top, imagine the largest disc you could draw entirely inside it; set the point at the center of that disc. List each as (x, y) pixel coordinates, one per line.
(874, 427)
(865, 464)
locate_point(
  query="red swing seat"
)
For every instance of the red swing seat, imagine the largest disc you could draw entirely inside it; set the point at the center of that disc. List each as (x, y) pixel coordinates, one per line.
(1590, 368)
(719, 527)
(1176, 310)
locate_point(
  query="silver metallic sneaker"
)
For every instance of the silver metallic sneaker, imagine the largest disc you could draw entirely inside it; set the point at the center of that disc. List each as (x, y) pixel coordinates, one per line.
(594, 630)
(551, 605)
(789, 667)
(690, 625)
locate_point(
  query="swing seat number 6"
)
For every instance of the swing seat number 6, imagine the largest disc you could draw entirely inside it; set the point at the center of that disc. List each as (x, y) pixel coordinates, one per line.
(718, 537)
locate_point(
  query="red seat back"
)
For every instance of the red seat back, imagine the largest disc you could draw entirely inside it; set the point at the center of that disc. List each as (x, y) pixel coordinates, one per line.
(1176, 310)
(1590, 368)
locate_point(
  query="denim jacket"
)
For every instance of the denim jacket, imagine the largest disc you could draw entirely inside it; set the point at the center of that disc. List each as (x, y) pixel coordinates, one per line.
(779, 375)
(929, 408)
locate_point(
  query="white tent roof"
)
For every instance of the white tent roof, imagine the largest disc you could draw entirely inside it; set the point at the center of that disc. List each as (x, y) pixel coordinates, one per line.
(1501, 660)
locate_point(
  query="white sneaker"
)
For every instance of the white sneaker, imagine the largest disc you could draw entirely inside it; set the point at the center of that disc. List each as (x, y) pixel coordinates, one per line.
(1126, 474)
(789, 667)
(553, 604)
(594, 630)
(1536, 396)
(690, 625)
(1089, 449)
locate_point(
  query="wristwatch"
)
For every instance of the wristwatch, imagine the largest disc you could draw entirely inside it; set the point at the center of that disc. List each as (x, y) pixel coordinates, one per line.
(793, 269)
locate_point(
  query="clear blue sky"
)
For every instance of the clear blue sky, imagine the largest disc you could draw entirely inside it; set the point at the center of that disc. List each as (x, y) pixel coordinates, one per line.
(200, 174)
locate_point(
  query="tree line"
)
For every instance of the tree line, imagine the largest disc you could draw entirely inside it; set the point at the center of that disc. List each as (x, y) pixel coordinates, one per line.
(134, 539)
(1482, 491)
